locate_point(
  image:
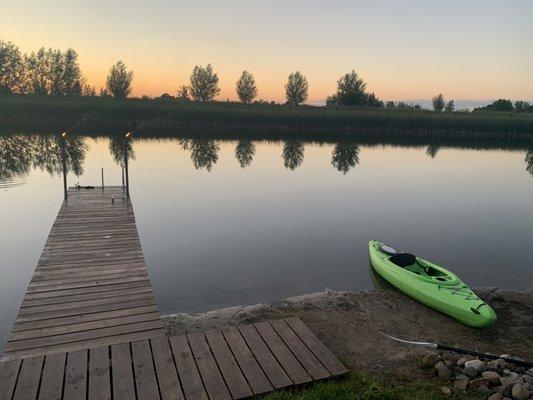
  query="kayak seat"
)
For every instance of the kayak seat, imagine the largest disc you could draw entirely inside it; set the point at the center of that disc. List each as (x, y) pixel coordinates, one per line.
(403, 260)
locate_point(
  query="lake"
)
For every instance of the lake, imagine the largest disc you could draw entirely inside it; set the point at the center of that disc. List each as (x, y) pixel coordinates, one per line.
(233, 222)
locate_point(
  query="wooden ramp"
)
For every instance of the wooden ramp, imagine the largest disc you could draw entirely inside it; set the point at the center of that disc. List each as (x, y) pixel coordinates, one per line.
(225, 364)
(90, 287)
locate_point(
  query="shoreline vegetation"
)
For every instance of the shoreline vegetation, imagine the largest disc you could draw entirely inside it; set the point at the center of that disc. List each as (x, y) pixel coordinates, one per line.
(108, 115)
(47, 89)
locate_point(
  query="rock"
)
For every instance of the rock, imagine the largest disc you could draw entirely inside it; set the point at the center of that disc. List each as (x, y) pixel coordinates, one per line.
(478, 365)
(485, 390)
(520, 392)
(430, 360)
(476, 383)
(448, 363)
(530, 372)
(496, 396)
(492, 377)
(449, 357)
(499, 363)
(446, 390)
(461, 384)
(444, 373)
(461, 362)
(470, 372)
(439, 365)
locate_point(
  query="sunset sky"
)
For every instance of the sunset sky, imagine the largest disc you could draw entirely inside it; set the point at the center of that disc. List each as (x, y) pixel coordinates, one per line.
(403, 49)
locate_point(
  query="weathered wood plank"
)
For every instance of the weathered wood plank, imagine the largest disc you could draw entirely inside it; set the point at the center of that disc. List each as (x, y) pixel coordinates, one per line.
(325, 356)
(52, 379)
(252, 371)
(299, 349)
(29, 376)
(76, 375)
(290, 364)
(122, 367)
(273, 370)
(167, 375)
(191, 382)
(99, 374)
(9, 372)
(144, 372)
(213, 381)
(235, 380)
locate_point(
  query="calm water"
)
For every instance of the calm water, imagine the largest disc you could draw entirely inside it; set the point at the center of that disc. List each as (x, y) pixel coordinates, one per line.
(230, 223)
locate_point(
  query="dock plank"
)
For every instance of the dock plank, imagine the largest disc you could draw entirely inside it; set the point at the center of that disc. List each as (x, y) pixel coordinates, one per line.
(91, 271)
(229, 363)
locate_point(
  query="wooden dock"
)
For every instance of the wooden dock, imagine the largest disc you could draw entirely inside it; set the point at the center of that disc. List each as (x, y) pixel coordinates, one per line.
(231, 363)
(90, 287)
(88, 327)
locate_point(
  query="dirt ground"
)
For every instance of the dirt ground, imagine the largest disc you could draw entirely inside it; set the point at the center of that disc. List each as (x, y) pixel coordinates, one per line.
(350, 324)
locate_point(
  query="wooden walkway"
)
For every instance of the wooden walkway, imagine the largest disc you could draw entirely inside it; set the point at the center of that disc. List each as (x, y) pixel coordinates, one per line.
(231, 363)
(90, 287)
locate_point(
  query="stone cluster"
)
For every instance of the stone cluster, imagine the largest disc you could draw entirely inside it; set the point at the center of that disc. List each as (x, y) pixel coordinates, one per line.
(497, 379)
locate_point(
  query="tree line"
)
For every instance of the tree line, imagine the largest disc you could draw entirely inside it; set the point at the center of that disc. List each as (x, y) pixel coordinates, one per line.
(55, 72)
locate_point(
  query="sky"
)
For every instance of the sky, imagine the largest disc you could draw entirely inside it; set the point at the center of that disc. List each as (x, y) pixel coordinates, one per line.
(477, 49)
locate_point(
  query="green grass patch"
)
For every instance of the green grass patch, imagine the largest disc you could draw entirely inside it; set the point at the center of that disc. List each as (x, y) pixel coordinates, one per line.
(357, 386)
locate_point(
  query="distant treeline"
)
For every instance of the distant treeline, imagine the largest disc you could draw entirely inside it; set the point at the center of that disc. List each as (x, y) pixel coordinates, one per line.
(107, 115)
(54, 72)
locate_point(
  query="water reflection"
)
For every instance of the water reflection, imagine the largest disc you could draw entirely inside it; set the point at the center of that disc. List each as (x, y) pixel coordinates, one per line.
(529, 161)
(20, 153)
(118, 146)
(204, 152)
(244, 152)
(345, 156)
(432, 150)
(293, 154)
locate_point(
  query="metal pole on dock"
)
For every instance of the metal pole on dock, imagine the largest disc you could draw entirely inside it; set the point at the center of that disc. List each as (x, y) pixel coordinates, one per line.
(64, 163)
(102, 179)
(127, 136)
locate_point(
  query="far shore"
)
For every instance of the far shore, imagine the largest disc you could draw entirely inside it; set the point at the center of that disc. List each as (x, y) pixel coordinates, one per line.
(351, 325)
(108, 115)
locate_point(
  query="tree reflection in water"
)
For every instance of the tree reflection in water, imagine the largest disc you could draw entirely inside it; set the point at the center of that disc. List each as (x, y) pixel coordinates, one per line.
(529, 161)
(20, 153)
(345, 156)
(204, 152)
(244, 152)
(118, 145)
(432, 150)
(293, 154)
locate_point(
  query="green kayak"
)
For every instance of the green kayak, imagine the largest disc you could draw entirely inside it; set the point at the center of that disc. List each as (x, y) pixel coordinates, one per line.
(430, 284)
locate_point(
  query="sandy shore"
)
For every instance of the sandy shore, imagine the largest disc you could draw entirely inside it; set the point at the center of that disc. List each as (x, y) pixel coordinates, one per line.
(350, 324)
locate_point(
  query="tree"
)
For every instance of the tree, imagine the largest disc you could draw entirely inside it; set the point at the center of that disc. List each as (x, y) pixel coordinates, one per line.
(450, 106)
(118, 81)
(11, 68)
(296, 89)
(529, 161)
(72, 80)
(246, 88)
(88, 90)
(183, 93)
(351, 90)
(204, 152)
(37, 72)
(204, 83)
(521, 106)
(438, 103)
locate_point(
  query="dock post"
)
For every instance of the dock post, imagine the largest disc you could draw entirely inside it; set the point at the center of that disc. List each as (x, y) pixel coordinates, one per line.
(102, 179)
(127, 136)
(64, 163)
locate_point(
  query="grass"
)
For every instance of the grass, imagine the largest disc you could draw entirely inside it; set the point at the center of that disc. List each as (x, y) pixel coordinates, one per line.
(360, 387)
(108, 114)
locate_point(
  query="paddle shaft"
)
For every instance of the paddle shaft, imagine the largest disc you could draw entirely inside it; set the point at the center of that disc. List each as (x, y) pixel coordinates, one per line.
(484, 355)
